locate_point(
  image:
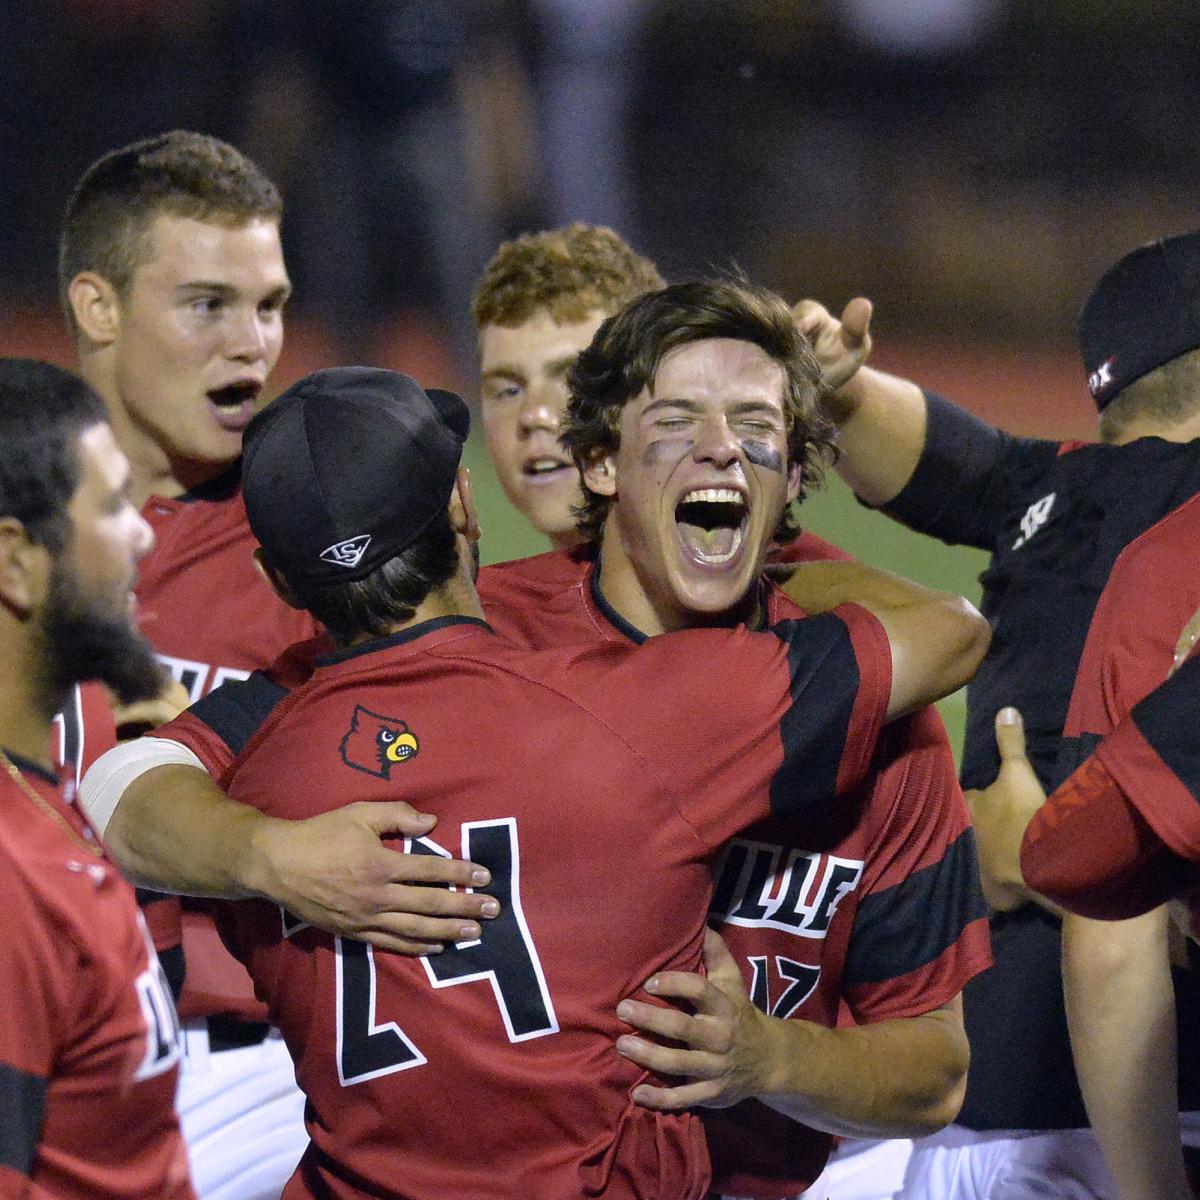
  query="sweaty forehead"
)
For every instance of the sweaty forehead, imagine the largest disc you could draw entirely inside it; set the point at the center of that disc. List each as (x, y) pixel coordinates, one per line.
(719, 369)
(181, 250)
(536, 341)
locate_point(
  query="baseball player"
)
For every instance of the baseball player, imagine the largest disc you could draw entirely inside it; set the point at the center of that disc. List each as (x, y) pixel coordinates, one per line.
(89, 1047)
(538, 304)
(556, 594)
(1127, 1074)
(534, 1102)
(173, 281)
(1055, 517)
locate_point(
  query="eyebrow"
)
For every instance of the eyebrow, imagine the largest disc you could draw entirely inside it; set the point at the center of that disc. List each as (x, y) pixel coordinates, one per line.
(742, 407)
(227, 291)
(502, 372)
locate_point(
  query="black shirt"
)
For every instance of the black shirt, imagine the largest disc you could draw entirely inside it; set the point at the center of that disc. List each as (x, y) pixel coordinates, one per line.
(1054, 516)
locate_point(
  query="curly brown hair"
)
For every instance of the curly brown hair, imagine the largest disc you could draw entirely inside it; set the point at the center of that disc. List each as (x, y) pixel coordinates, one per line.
(570, 272)
(181, 174)
(624, 357)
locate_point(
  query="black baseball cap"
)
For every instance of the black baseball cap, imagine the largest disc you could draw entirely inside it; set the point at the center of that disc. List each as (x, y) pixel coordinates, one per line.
(347, 468)
(1142, 313)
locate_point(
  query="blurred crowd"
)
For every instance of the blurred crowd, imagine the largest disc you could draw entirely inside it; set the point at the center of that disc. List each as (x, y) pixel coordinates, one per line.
(1001, 151)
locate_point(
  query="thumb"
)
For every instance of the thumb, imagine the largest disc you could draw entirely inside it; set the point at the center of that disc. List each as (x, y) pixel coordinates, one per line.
(1010, 736)
(856, 321)
(394, 816)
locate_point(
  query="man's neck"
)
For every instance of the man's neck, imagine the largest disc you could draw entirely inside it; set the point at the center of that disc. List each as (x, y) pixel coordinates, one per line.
(1187, 430)
(152, 471)
(25, 726)
(651, 615)
(455, 598)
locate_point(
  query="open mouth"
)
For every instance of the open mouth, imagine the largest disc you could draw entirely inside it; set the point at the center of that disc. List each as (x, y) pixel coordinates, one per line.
(712, 523)
(234, 403)
(545, 468)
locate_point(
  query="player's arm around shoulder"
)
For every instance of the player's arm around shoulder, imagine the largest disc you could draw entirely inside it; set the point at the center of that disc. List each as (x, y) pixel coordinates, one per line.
(904, 1077)
(937, 639)
(172, 828)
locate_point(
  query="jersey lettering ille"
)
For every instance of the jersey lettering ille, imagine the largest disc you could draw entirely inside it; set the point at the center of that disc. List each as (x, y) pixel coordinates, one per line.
(596, 783)
(870, 908)
(89, 1048)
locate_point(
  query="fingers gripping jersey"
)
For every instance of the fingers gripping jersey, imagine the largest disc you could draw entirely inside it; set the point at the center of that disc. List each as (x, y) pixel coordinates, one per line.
(88, 1045)
(596, 784)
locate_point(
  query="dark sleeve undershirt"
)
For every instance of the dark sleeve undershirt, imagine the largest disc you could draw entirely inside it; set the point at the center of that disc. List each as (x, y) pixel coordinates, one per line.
(959, 489)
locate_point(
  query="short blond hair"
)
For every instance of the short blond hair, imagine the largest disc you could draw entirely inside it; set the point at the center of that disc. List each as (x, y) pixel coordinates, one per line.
(570, 272)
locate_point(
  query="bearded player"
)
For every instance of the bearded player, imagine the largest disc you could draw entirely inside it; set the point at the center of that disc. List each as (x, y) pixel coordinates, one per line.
(89, 1048)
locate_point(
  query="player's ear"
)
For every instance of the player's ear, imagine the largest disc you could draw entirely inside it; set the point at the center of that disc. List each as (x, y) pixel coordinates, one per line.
(24, 569)
(279, 585)
(600, 474)
(95, 307)
(464, 517)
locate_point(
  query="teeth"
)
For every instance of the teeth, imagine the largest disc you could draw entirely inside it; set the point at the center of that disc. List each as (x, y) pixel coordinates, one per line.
(544, 464)
(713, 496)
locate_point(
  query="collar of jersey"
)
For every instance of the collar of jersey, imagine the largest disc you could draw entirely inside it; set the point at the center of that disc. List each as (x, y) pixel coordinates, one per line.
(31, 768)
(633, 633)
(396, 639)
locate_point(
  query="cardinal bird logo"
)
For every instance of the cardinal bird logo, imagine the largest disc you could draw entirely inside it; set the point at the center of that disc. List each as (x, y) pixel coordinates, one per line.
(376, 744)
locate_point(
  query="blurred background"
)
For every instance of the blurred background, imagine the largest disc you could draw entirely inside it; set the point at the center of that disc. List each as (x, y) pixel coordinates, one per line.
(970, 165)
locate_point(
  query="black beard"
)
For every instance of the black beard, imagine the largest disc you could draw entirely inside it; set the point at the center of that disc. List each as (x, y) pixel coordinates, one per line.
(82, 643)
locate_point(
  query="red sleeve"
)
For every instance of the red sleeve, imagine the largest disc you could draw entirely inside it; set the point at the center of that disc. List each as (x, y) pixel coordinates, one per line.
(201, 739)
(218, 727)
(760, 723)
(1091, 851)
(921, 929)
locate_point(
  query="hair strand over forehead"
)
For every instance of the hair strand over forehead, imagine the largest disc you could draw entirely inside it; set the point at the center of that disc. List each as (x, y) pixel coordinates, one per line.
(625, 354)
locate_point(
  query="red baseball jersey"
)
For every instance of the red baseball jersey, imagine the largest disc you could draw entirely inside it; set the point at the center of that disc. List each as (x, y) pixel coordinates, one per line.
(89, 1043)
(1150, 596)
(210, 616)
(1120, 696)
(873, 904)
(596, 783)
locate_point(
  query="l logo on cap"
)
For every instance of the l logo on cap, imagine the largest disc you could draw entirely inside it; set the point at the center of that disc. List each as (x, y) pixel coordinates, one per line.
(348, 553)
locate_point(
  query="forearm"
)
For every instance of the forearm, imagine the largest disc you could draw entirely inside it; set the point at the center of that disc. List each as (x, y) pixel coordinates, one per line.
(818, 587)
(1121, 1011)
(899, 1078)
(174, 830)
(881, 433)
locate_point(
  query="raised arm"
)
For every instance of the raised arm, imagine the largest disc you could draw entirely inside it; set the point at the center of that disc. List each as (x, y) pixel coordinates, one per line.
(881, 418)
(938, 639)
(172, 828)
